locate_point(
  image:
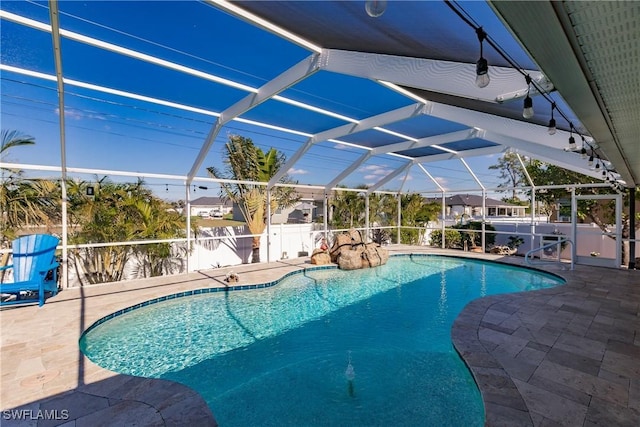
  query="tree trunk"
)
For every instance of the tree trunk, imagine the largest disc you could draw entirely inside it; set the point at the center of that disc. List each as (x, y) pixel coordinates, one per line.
(255, 250)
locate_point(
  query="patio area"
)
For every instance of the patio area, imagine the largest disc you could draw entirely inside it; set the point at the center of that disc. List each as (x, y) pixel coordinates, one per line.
(564, 356)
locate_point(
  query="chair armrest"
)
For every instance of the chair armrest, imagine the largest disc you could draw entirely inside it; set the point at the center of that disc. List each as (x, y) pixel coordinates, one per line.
(6, 266)
(50, 267)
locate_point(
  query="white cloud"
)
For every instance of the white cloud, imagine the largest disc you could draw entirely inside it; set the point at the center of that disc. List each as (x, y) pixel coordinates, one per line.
(96, 116)
(441, 180)
(73, 114)
(378, 170)
(298, 172)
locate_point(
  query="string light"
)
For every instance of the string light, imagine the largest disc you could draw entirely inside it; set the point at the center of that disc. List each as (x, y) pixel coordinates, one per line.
(482, 66)
(527, 112)
(552, 122)
(572, 140)
(583, 152)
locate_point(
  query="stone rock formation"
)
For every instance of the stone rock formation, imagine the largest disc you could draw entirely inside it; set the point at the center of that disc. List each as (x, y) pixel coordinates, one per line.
(351, 253)
(320, 257)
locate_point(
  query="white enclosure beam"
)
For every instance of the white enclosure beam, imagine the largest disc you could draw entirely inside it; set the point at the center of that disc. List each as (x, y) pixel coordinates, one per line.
(402, 113)
(565, 159)
(90, 41)
(522, 130)
(293, 75)
(500, 125)
(466, 153)
(389, 177)
(444, 138)
(348, 171)
(54, 16)
(440, 76)
(475, 177)
(431, 177)
(236, 10)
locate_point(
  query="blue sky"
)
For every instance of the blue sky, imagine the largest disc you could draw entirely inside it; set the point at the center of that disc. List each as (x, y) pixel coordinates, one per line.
(106, 131)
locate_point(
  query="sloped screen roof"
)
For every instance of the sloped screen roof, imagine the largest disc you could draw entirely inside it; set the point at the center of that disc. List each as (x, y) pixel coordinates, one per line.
(146, 83)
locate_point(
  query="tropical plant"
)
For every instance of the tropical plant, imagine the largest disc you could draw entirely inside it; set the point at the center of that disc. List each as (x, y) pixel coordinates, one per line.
(244, 161)
(121, 212)
(15, 203)
(348, 209)
(515, 241)
(452, 238)
(474, 234)
(471, 233)
(14, 138)
(415, 213)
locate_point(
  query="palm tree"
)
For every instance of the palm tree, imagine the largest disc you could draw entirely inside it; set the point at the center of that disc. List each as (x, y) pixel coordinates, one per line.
(158, 222)
(14, 138)
(15, 206)
(245, 161)
(348, 209)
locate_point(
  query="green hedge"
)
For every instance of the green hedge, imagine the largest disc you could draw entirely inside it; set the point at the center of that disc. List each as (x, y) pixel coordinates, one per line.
(456, 238)
(453, 239)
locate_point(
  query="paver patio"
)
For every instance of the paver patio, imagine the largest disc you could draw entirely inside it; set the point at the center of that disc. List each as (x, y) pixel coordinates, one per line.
(563, 356)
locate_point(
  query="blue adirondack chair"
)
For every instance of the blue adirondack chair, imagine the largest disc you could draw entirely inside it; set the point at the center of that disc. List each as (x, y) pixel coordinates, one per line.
(34, 269)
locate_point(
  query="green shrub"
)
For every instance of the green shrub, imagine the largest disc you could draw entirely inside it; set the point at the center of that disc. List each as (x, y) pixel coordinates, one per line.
(410, 236)
(474, 235)
(453, 239)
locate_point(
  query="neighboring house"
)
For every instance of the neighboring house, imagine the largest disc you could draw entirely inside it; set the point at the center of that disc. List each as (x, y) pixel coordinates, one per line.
(470, 206)
(307, 209)
(210, 206)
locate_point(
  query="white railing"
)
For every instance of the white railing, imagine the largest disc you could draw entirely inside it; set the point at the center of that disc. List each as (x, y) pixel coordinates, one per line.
(558, 250)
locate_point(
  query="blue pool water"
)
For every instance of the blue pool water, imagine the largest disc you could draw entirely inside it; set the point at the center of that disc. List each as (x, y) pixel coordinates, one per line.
(324, 348)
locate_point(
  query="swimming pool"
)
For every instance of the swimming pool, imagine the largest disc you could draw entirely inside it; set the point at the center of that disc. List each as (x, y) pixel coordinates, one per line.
(324, 347)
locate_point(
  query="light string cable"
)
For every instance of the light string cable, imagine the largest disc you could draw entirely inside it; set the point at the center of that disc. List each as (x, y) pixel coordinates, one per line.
(468, 19)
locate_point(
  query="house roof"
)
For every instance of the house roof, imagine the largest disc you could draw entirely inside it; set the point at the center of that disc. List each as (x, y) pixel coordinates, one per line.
(210, 201)
(470, 200)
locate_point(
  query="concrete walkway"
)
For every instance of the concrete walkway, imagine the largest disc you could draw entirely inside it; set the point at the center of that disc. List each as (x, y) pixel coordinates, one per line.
(564, 356)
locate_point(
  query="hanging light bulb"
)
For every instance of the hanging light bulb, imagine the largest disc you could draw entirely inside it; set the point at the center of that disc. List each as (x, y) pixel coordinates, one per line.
(482, 66)
(590, 160)
(597, 165)
(527, 112)
(375, 8)
(572, 140)
(583, 153)
(552, 122)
